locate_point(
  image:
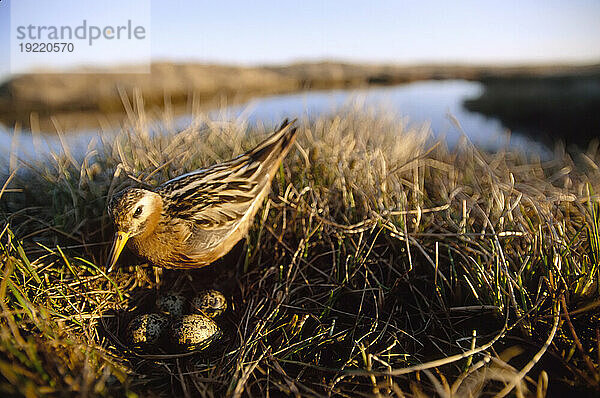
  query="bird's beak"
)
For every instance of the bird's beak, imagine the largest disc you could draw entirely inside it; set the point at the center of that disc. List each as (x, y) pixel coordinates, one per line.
(117, 247)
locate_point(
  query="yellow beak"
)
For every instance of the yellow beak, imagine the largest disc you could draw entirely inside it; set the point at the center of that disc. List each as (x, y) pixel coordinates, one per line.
(117, 247)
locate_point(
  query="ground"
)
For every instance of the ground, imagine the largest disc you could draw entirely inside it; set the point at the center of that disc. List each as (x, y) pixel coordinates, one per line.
(383, 263)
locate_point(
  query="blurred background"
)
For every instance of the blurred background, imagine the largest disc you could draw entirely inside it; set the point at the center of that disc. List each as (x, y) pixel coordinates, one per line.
(512, 72)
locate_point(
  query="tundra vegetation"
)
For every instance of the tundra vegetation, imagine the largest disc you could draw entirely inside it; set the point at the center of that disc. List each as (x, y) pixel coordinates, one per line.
(382, 263)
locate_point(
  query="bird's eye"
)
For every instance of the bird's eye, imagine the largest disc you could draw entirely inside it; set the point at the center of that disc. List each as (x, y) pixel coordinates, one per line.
(137, 212)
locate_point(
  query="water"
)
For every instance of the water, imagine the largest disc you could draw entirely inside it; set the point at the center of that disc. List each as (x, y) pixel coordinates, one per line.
(434, 102)
(430, 102)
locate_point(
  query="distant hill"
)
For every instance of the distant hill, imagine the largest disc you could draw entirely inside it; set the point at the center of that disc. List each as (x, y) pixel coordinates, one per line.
(562, 107)
(84, 100)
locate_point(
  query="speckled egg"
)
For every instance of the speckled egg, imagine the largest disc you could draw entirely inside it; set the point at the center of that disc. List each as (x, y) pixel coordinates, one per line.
(146, 329)
(194, 331)
(171, 304)
(211, 303)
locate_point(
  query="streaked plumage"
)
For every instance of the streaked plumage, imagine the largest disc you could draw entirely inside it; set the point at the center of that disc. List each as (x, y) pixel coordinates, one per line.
(194, 219)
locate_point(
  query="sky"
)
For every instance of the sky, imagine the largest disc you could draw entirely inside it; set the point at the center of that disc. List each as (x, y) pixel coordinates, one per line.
(276, 32)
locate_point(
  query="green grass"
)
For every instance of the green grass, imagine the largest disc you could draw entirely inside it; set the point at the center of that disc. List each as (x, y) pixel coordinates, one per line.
(381, 264)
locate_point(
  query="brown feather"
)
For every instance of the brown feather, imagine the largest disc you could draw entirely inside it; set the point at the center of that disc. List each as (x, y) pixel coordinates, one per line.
(198, 217)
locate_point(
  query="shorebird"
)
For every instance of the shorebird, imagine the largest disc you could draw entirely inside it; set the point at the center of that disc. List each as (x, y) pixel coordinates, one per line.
(194, 219)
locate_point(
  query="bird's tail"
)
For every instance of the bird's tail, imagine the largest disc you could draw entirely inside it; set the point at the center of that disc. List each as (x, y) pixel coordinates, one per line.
(271, 151)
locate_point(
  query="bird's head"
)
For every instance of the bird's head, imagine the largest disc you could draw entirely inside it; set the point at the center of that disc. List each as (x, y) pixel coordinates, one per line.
(134, 212)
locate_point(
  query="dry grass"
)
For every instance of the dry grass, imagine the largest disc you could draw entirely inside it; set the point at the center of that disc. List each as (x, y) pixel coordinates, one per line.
(381, 265)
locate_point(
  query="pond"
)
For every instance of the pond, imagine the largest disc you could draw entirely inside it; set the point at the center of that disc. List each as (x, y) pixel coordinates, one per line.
(434, 103)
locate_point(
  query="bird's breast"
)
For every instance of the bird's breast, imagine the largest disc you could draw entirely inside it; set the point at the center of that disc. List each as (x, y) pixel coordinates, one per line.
(155, 249)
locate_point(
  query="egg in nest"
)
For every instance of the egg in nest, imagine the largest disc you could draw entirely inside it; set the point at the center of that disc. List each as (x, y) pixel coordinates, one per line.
(194, 331)
(147, 329)
(211, 303)
(172, 304)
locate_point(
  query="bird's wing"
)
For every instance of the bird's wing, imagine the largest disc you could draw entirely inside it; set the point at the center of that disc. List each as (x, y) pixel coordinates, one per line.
(220, 195)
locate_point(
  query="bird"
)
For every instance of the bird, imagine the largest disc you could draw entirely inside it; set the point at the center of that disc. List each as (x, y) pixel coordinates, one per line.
(196, 218)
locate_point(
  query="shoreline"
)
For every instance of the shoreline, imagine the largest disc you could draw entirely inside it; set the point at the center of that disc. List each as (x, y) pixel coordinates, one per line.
(72, 102)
